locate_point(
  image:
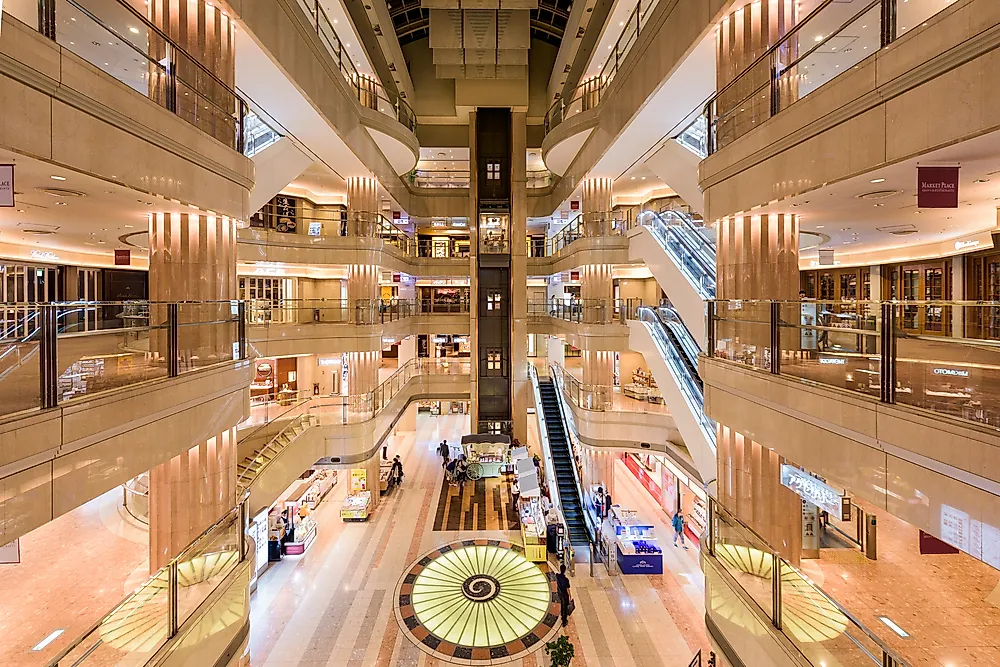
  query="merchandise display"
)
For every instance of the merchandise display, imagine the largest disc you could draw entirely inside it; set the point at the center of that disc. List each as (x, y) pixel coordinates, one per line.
(533, 529)
(320, 484)
(637, 551)
(486, 454)
(300, 526)
(356, 506)
(643, 387)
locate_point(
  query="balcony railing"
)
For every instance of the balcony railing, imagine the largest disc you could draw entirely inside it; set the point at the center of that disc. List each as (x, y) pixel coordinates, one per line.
(799, 63)
(822, 630)
(145, 59)
(939, 356)
(588, 94)
(584, 225)
(369, 92)
(56, 360)
(139, 626)
(440, 178)
(262, 312)
(599, 397)
(329, 223)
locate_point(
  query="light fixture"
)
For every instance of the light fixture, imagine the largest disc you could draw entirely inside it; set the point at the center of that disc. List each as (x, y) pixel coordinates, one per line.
(981, 180)
(892, 626)
(133, 30)
(57, 178)
(878, 180)
(53, 635)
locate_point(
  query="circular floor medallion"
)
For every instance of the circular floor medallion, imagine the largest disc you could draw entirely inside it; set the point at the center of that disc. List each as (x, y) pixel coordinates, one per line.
(478, 600)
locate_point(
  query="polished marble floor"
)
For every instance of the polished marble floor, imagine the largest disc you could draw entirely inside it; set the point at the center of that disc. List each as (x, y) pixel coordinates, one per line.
(333, 605)
(73, 571)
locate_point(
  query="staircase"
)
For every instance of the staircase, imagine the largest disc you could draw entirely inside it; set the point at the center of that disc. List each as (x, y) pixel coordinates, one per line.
(250, 467)
(562, 460)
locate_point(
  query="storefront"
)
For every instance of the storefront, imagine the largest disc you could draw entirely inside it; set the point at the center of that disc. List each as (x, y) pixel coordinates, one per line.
(290, 526)
(358, 503)
(444, 299)
(436, 408)
(672, 489)
(442, 346)
(275, 379)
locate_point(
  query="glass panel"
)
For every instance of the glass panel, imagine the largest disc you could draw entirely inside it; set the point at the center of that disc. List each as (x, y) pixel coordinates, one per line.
(747, 559)
(743, 332)
(913, 14)
(203, 565)
(818, 628)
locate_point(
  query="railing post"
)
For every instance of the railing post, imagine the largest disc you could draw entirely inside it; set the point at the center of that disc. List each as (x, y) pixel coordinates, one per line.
(776, 590)
(241, 327)
(48, 358)
(244, 524)
(776, 337)
(887, 351)
(172, 599)
(171, 101)
(775, 105)
(711, 526)
(47, 18)
(710, 329)
(241, 137)
(316, 16)
(173, 347)
(888, 22)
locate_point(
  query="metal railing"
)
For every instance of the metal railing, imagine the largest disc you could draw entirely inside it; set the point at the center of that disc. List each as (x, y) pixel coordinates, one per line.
(165, 73)
(135, 498)
(800, 63)
(137, 341)
(598, 397)
(142, 623)
(263, 312)
(589, 94)
(367, 90)
(584, 311)
(584, 225)
(686, 244)
(822, 630)
(322, 223)
(939, 356)
(440, 178)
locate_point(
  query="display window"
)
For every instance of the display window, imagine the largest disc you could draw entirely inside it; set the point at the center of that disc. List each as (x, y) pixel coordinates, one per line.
(927, 281)
(275, 379)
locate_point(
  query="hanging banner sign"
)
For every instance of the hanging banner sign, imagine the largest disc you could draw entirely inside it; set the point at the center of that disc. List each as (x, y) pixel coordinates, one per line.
(811, 489)
(6, 176)
(937, 187)
(123, 257)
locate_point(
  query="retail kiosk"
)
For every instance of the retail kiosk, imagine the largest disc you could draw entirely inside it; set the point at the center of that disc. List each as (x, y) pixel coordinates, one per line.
(357, 504)
(636, 548)
(487, 455)
(533, 525)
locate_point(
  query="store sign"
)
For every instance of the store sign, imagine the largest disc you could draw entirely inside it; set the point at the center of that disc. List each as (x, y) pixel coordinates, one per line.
(574, 205)
(328, 361)
(937, 187)
(397, 215)
(6, 179)
(10, 553)
(44, 255)
(123, 257)
(832, 361)
(315, 228)
(811, 489)
(807, 317)
(359, 479)
(951, 372)
(965, 245)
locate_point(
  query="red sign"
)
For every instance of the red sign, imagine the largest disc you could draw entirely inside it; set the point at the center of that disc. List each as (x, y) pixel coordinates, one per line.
(123, 257)
(642, 476)
(932, 545)
(397, 215)
(937, 187)
(397, 277)
(574, 205)
(574, 275)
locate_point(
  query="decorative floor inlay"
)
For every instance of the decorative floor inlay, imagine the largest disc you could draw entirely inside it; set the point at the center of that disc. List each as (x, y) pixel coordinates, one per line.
(477, 600)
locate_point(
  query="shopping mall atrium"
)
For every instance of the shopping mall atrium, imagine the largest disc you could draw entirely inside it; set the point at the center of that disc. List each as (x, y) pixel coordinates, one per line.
(346, 333)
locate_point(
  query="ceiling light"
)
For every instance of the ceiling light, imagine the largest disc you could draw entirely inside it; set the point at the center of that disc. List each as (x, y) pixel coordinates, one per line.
(57, 178)
(20, 210)
(643, 178)
(820, 226)
(60, 203)
(53, 635)
(892, 626)
(133, 30)
(981, 180)
(878, 180)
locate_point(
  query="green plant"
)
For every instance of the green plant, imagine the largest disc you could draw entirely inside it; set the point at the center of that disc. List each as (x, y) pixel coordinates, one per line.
(560, 651)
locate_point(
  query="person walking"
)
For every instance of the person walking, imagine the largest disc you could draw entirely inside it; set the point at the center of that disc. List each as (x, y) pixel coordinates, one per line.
(385, 452)
(461, 471)
(678, 523)
(607, 504)
(445, 453)
(396, 471)
(562, 586)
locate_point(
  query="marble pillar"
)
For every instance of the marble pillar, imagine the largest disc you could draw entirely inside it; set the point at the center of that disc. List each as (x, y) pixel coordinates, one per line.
(189, 493)
(741, 38)
(207, 35)
(758, 257)
(749, 486)
(599, 378)
(362, 206)
(362, 292)
(597, 292)
(596, 205)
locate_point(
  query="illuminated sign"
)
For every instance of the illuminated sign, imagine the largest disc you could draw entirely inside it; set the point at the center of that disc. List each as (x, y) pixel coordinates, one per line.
(962, 245)
(328, 361)
(43, 254)
(832, 361)
(6, 174)
(811, 489)
(440, 339)
(951, 372)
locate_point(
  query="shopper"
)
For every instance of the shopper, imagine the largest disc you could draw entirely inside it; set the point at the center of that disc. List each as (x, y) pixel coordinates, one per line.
(445, 453)
(461, 471)
(678, 523)
(607, 504)
(562, 585)
(396, 471)
(449, 472)
(385, 452)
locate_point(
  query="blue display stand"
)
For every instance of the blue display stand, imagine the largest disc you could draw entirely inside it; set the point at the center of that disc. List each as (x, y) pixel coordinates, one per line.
(640, 563)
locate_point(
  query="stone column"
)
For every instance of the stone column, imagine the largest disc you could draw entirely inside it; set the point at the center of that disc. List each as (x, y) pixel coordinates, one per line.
(362, 206)
(362, 293)
(206, 32)
(599, 377)
(189, 493)
(596, 206)
(743, 36)
(597, 292)
(758, 257)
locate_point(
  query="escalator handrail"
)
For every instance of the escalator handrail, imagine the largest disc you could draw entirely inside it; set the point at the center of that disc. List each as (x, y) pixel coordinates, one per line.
(684, 232)
(669, 316)
(702, 276)
(587, 519)
(544, 438)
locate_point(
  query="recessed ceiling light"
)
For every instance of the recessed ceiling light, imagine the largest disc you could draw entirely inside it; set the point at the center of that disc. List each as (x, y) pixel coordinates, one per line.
(643, 178)
(878, 180)
(133, 30)
(892, 625)
(981, 180)
(57, 178)
(60, 203)
(820, 226)
(53, 635)
(20, 210)
(879, 205)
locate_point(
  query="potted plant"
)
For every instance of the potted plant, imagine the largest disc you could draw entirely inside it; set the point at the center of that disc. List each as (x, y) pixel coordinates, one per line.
(560, 652)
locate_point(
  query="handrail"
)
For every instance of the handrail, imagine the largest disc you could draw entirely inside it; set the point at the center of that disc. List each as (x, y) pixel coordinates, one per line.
(716, 507)
(705, 280)
(367, 89)
(245, 479)
(595, 224)
(165, 574)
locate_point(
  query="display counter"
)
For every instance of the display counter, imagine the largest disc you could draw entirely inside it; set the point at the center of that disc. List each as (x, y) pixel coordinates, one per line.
(305, 534)
(486, 454)
(636, 548)
(356, 506)
(533, 529)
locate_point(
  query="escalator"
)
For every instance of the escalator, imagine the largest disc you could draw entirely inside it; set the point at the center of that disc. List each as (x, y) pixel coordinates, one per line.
(562, 461)
(681, 256)
(671, 352)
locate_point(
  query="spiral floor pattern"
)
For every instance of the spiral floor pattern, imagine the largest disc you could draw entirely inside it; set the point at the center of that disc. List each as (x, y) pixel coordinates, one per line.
(478, 600)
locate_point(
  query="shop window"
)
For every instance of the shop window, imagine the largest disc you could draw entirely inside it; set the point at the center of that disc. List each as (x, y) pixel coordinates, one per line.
(848, 286)
(911, 292)
(934, 291)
